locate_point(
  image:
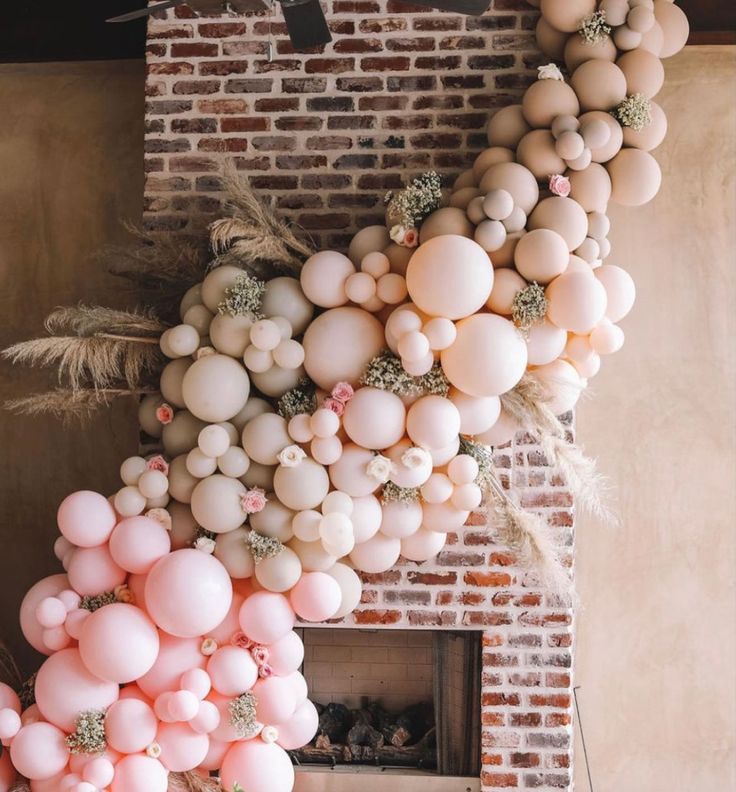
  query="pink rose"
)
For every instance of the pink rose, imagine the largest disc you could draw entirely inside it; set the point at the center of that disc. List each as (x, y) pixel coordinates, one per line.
(343, 392)
(241, 640)
(265, 671)
(253, 501)
(165, 414)
(336, 406)
(260, 655)
(559, 185)
(158, 463)
(411, 238)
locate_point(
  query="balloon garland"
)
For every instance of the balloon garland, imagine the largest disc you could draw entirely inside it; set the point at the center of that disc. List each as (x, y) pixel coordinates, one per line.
(319, 418)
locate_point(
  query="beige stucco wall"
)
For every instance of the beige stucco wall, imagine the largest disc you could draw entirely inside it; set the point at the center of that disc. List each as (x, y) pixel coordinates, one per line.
(656, 659)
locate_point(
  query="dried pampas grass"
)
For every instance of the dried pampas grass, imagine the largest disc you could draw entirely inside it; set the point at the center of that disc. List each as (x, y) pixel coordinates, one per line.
(90, 320)
(70, 405)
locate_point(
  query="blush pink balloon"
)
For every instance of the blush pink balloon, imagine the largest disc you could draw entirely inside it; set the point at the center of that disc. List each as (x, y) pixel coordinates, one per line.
(298, 686)
(9, 698)
(136, 773)
(266, 617)
(130, 726)
(207, 718)
(181, 748)
(39, 751)
(229, 625)
(92, 570)
(7, 772)
(443, 517)
(52, 784)
(196, 681)
(32, 630)
(10, 724)
(374, 418)
(65, 687)
(51, 612)
(224, 731)
(188, 593)
(183, 705)
(433, 422)
(99, 772)
(300, 728)
(232, 671)
(86, 518)
(316, 596)
(286, 655)
(137, 543)
(175, 656)
(75, 622)
(258, 767)
(215, 755)
(119, 643)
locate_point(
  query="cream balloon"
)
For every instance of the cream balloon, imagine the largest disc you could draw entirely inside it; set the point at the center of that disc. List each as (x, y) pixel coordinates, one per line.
(423, 545)
(274, 520)
(171, 381)
(545, 342)
(233, 552)
(443, 517)
(324, 276)
(502, 432)
(562, 215)
(577, 302)
(284, 297)
(351, 589)
(635, 177)
(620, 290)
(514, 178)
(280, 572)
(563, 384)
(541, 255)
(377, 554)
(506, 285)
(303, 486)
(264, 437)
(433, 422)
(216, 283)
(215, 388)
(349, 473)
(374, 418)
(477, 413)
(216, 504)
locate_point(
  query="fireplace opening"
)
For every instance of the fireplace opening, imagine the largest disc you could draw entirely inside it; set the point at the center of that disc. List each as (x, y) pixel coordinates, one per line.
(399, 700)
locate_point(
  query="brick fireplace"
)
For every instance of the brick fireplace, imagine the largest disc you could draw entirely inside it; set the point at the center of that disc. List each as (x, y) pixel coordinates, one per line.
(400, 90)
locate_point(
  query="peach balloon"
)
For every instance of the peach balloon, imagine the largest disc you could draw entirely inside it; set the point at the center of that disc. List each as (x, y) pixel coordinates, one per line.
(31, 629)
(301, 487)
(477, 413)
(488, 157)
(541, 255)
(423, 545)
(368, 240)
(488, 357)
(607, 338)
(374, 418)
(215, 388)
(449, 291)
(443, 517)
(591, 187)
(565, 15)
(502, 432)
(507, 127)
(506, 285)
(175, 656)
(563, 384)
(448, 220)
(545, 343)
(599, 85)
(514, 178)
(577, 51)
(130, 726)
(550, 40)
(349, 472)
(620, 290)
(538, 153)
(635, 177)
(650, 136)
(137, 543)
(39, 751)
(377, 554)
(401, 519)
(563, 215)
(643, 71)
(675, 27)
(544, 100)
(324, 278)
(433, 422)
(339, 344)
(577, 302)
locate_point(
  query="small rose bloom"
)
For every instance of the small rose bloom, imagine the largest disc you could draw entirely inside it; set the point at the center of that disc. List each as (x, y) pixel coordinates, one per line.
(241, 640)
(260, 654)
(379, 468)
(205, 544)
(265, 671)
(397, 234)
(291, 456)
(269, 734)
(161, 516)
(559, 185)
(343, 392)
(335, 405)
(165, 414)
(123, 594)
(153, 750)
(209, 647)
(253, 501)
(415, 457)
(411, 238)
(550, 71)
(158, 463)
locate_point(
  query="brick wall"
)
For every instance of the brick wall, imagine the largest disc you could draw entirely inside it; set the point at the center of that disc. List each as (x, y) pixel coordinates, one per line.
(324, 135)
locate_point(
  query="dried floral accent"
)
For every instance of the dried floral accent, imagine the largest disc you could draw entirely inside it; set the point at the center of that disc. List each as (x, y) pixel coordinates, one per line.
(415, 457)
(386, 373)
(165, 414)
(93, 602)
(244, 297)
(391, 492)
(124, 594)
(27, 692)
(291, 456)
(559, 185)
(550, 71)
(265, 671)
(269, 734)
(406, 237)
(68, 404)
(302, 398)
(158, 463)
(529, 307)
(262, 547)
(204, 540)
(260, 654)
(343, 392)
(241, 640)
(89, 733)
(593, 28)
(161, 516)
(204, 351)
(333, 405)
(483, 455)
(409, 207)
(379, 468)
(635, 112)
(243, 715)
(208, 647)
(153, 750)
(253, 501)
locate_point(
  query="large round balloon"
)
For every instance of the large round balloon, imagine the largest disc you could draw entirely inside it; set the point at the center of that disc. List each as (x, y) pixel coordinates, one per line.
(257, 766)
(488, 357)
(29, 625)
(577, 302)
(449, 276)
(374, 418)
(188, 593)
(86, 518)
(215, 388)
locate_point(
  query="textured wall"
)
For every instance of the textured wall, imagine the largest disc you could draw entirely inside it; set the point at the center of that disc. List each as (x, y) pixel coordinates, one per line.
(655, 652)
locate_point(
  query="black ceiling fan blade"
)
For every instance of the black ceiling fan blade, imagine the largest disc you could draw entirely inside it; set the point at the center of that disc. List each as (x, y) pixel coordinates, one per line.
(144, 12)
(469, 7)
(306, 23)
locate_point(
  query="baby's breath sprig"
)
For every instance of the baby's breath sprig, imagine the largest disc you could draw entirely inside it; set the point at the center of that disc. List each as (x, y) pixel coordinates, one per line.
(244, 297)
(93, 602)
(410, 206)
(302, 398)
(27, 692)
(593, 29)
(262, 547)
(243, 714)
(635, 111)
(391, 492)
(483, 455)
(89, 733)
(529, 307)
(385, 372)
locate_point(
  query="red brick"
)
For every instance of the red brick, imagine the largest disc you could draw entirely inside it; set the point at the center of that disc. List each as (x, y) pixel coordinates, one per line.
(262, 66)
(444, 22)
(194, 87)
(223, 144)
(192, 164)
(197, 126)
(276, 105)
(556, 680)
(416, 44)
(358, 45)
(222, 106)
(274, 143)
(221, 29)
(554, 720)
(170, 32)
(296, 123)
(223, 67)
(495, 719)
(304, 85)
(382, 102)
(274, 182)
(256, 164)
(300, 162)
(177, 67)
(432, 618)
(244, 47)
(383, 25)
(524, 760)
(477, 578)
(329, 65)
(244, 124)
(525, 720)
(351, 7)
(499, 780)
(432, 578)
(194, 50)
(377, 616)
(406, 121)
(559, 700)
(382, 64)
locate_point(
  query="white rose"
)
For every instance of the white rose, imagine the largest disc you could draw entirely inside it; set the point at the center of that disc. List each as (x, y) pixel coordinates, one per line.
(291, 456)
(415, 457)
(269, 734)
(379, 469)
(205, 544)
(397, 233)
(550, 71)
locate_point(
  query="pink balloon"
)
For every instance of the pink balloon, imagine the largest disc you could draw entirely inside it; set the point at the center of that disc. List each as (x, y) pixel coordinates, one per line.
(75, 622)
(7, 772)
(183, 705)
(130, 726)
(65, 687)
(52, 784)
(266, 617)
(300, 728)
(316, 596)
(286, 655)
(181, 748)
(39, 751)
(175, 656)
(229, 625)
(232, 671)
(119, 643)
(136, 773)
(275, 700)
(433, 422)
(137, 543)
(224, 731)
(196, 681)
(92, 571)
(32, 630)
(298, 686)
(207, 718)
(78, 761)
(188, 593)
(10, 724)
(258, 767)
(215, 755)
(9, 698)
(51, 612)
(86, 518)
(99, 772)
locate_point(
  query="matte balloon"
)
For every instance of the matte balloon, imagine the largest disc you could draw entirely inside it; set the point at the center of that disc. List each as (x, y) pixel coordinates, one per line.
(175, 656)
(591, 188)
(443, 517)
(213, 288)
(136, 772)
(366, 517)
(620, 290)
(266, 617)
(577, 51)
(507, 127)
(86, 518)
(180, 436)
(301, 487)
(258, 767)
(635, 177)
(299, 729)
(537, 152)
(130, 726)
(232, 671)
(230, 334)
(137, 543)
(171, 381)
(274, 520)
(232, 551)
(31, 629)
(374, 418)
(287, 654)
(368, 240)
(377, 554)
(349, 473)
(545, 343)
(314, 556)
(188, 593)
(401, 519)
(545, 99)
(316, 597)
(514, 178)
(577, 302)
(92, 570)
(506, 285)
(565, 15)
(351, 589)
(563, 384)
(216, 504)
(607, 338)
(182, 749)
(39, 751)
(215, 388)
(433, 421)
(423, 545)
(599, 85)
(280, 572)
(541, 255)
(562, 215)
(675, 27)
(444, 221)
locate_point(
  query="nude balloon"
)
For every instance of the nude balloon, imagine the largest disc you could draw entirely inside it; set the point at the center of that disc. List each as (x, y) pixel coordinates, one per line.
(563, 384)
(545, 342)
(443, 517)
(349, 472)
(351, 589)
(303, 486)
(433, 421)
(86, 518)
(577, 302)
(215, 388)
(377, 554)
(620, 290)
(374, 418)
(423, 545)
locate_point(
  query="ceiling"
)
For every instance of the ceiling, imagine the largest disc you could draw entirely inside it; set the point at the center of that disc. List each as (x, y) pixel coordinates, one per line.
(63, 30)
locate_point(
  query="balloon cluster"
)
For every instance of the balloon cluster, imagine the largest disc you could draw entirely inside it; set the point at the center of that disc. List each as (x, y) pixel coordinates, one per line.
(313, 428)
